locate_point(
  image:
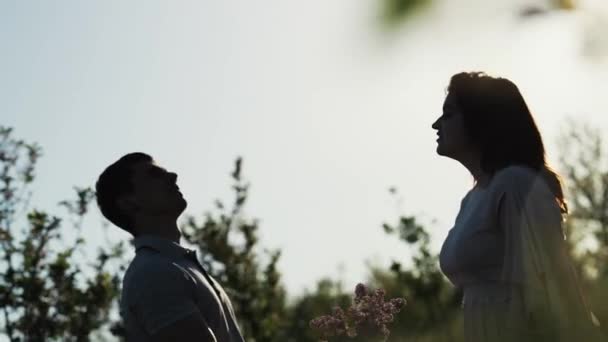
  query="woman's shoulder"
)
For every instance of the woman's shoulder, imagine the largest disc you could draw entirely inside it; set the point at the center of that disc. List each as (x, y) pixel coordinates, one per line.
(518, 172)
(514, 178)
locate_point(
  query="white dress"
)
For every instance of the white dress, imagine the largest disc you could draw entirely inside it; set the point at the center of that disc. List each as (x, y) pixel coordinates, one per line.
(507, 252)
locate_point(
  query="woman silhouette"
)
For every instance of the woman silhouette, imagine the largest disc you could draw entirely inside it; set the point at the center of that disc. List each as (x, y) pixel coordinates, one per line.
(507, 249)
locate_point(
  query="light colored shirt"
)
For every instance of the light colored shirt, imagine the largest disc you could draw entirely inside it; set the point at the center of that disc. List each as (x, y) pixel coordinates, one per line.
(165, 283)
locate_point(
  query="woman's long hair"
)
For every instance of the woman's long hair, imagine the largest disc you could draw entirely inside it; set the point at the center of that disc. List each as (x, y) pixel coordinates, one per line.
(498, 121)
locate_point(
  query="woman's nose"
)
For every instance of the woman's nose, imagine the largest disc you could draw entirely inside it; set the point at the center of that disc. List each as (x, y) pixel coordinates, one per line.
(435, 124)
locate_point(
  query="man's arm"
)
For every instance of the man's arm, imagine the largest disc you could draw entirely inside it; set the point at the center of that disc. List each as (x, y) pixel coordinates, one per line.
(191, 328)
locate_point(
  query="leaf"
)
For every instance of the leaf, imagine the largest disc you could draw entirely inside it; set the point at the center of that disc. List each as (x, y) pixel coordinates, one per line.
(396, 11)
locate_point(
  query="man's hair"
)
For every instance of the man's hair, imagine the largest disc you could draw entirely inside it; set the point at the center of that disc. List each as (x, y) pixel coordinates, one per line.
(114, 182)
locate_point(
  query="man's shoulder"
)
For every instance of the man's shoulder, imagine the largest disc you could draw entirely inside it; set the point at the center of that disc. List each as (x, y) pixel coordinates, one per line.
(145, 260)
(150, 268)
(151, 273)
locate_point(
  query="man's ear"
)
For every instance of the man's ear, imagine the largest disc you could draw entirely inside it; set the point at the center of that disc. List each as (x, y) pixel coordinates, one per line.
(127, 204)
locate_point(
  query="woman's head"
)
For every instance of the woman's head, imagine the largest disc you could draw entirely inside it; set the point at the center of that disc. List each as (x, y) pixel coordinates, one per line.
(497, 123)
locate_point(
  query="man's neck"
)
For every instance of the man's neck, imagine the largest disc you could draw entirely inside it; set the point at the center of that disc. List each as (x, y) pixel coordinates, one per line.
(161, 227)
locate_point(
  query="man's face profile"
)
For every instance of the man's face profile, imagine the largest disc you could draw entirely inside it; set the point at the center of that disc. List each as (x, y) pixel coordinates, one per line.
(155, 191)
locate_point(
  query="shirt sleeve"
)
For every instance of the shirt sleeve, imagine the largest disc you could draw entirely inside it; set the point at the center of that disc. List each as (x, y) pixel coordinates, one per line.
(536, 257)
(163, 295)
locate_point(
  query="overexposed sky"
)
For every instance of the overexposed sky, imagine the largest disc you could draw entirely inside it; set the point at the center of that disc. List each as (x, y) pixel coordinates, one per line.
(327, 109)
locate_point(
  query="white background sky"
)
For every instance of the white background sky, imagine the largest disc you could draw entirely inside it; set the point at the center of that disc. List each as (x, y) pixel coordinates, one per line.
(327, 109)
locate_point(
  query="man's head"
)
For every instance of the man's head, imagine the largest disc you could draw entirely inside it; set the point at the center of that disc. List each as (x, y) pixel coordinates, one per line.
(136, 187)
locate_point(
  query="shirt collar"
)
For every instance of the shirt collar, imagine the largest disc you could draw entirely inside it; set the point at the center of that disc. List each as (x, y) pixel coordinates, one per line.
(163, 246)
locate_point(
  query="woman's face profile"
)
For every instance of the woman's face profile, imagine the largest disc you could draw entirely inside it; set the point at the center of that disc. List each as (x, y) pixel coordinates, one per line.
(452, 140)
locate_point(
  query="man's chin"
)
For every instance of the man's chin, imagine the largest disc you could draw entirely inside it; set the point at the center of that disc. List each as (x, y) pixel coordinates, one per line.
(183, 205)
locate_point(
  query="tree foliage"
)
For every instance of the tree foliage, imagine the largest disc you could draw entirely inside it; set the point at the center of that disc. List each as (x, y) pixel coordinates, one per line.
(48, 294)
(228, 241)
(230, 251)
(396, 11)
(45, 293)
(433, 303)
(584, 165)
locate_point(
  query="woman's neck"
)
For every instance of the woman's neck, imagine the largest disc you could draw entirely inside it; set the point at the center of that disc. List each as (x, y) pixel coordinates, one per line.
(472, 162)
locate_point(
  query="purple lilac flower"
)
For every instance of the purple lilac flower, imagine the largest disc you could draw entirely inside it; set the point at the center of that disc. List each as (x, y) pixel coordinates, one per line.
(368, 309)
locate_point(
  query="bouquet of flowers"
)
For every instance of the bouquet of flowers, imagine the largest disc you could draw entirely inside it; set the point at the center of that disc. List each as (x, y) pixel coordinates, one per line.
(369, 314)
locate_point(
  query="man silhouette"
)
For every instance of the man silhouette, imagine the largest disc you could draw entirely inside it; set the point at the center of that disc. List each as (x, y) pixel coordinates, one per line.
(166, 293)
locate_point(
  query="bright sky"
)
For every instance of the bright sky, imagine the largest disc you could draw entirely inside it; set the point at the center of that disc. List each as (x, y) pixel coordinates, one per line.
(327, 110)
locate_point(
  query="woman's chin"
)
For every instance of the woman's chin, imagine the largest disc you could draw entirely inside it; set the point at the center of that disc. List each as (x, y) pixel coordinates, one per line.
(440, 150)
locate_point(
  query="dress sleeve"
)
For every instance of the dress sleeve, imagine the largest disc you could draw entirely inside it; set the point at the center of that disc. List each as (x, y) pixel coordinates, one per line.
(536, 259)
